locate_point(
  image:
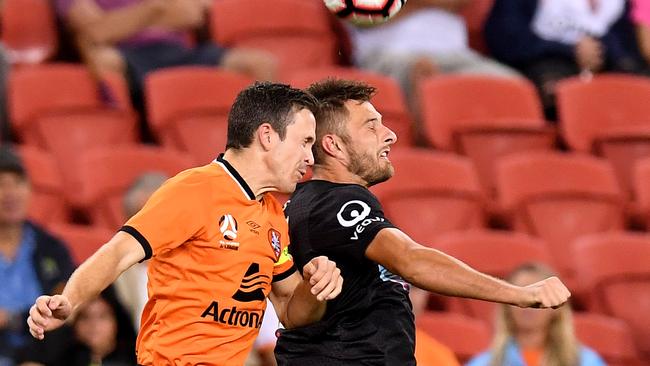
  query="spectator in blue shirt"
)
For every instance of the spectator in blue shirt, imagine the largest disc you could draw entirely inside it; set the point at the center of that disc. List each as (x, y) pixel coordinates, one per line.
(31, 260)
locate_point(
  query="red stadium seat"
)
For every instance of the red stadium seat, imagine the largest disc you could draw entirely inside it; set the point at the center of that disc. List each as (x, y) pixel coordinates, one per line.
(615, 269)
(107, 173)
(28, 30)
(608, 336)
(497, 253)
(465, 336)
(608, 116)
(560, 197)
(642, 189)
(431, 193)
(389, 99)
(298, 32)
(484, 118)
(82, 241)
(188, 108)
(59, 89)
(47, 202)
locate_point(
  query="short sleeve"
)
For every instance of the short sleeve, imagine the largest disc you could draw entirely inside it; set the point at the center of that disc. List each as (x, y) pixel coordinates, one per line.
(348, 218)
(174, 214)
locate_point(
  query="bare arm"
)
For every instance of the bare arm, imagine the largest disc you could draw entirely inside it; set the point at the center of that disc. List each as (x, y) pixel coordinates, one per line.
(90, 22)
(436, 271)
(643, 32)
(299, 301)
(93, 276)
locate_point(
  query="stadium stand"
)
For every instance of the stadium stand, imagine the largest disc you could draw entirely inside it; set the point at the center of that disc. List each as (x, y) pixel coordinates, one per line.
(484, 118)
(28, 30)
(431, 193)
(614, 268)
(559, 197)
(188, 108)
(106, 173)
(607, 116)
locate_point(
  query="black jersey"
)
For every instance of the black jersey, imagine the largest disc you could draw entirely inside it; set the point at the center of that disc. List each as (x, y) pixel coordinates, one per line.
(371, 321)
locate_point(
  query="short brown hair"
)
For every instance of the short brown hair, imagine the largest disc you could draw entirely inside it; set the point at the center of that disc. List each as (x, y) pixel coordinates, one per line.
(331, 113)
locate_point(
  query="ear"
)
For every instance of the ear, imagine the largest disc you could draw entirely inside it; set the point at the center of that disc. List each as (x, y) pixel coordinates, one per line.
(266, 136)
(332, 145)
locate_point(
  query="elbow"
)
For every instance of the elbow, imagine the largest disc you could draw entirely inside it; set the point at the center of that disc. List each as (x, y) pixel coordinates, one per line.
(410, 267)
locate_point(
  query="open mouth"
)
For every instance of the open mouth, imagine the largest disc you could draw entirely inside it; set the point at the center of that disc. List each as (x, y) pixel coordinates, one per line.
(384, 154)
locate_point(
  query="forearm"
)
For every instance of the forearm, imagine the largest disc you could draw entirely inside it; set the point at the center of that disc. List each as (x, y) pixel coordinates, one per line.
(436, 271)
(303, 308)
(116, 25)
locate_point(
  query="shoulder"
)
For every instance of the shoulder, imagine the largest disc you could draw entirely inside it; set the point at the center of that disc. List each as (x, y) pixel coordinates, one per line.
(589, 357)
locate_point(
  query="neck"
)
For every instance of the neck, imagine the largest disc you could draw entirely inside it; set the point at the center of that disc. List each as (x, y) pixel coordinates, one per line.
(10, 235)
(531, 338)
(248, 164)
(336, 173)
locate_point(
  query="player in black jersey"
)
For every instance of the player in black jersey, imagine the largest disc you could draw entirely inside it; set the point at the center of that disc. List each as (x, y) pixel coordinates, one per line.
(334, 214)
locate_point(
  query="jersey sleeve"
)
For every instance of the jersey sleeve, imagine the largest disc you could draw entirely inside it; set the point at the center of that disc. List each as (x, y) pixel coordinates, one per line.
(347, 220)
(284, 266)
(173, 215)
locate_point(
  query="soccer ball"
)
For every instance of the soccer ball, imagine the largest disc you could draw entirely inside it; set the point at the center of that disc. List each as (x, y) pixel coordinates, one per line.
(365, 12)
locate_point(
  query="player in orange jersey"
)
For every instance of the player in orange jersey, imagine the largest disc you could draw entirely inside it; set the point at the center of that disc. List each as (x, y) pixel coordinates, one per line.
(218, 241)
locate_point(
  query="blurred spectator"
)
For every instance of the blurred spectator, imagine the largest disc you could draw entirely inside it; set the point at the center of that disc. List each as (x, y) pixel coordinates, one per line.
(102, 335)
(131, 286)
(428, 351)
(553, 39)
(641, 17)
(428, 37)
(32, 261)
(136, 37)
(530, 337)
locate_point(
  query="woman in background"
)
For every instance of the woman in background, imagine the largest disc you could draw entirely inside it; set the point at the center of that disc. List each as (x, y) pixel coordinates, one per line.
(535, 337)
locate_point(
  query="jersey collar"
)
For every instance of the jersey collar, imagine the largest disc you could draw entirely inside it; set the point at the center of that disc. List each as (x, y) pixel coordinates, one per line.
(235, 176)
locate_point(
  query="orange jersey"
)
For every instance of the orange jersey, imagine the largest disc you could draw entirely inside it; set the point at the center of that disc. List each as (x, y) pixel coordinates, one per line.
(215, 250)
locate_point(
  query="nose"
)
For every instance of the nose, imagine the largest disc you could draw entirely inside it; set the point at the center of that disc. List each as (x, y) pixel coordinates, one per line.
(391, 137)
(309, 157)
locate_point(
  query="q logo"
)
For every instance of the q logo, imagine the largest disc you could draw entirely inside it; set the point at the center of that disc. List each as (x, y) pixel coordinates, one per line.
(228, 227)
(352, 213)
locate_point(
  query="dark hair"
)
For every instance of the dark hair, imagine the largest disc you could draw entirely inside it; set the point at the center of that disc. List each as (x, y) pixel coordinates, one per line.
(11, 162)
(264, 102)
(332, 114)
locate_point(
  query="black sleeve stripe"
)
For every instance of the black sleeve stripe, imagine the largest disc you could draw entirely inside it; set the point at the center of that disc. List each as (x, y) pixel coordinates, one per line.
(285, 274)
(141, 239)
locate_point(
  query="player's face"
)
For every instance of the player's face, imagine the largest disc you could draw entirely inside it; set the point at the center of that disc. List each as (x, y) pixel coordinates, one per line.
(369, 144)
(14, 198)
(293, 155)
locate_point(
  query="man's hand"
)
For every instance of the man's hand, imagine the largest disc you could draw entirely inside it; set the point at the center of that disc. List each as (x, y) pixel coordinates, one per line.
(324, 278)
(549, 293)
(48, 313)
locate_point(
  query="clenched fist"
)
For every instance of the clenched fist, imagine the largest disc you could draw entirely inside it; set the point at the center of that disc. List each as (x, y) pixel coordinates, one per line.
(324, 277)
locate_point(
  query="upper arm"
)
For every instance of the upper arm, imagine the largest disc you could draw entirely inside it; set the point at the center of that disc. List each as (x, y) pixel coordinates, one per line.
(124, 249)
(392, 249)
